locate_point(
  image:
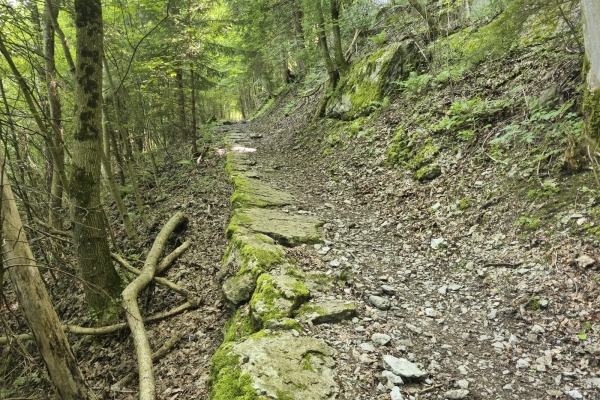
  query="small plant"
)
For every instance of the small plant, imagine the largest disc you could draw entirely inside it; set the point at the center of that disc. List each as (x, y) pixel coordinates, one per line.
(379, 38)
(528, 223)
(415, 84)
(548, 189)
(464, 204)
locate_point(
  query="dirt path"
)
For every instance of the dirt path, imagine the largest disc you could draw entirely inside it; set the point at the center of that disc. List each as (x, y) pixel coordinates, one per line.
(449, 286)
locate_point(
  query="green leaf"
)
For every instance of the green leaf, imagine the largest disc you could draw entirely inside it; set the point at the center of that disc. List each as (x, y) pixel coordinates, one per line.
(582, 336)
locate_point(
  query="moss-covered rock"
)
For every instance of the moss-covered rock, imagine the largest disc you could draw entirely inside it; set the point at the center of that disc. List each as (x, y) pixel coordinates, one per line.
(370, 79)
(327, 312)
(281, 367)
(251, 192)
(277, 297)
(428, 173)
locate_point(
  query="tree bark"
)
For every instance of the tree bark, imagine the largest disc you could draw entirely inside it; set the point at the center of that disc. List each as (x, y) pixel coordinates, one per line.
(591, 103)
(193, 104)
(338, 52)
(299, 33)
(102, 284)
(58, 160)
(422, 10)
(35, 302)
(180, 101)
(332, 71)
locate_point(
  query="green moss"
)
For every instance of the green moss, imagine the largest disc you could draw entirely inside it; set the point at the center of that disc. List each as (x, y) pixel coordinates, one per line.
(310, 309)
(238, 327)
(464, 204)
(238, 219)
(226, 380)
(428, 173)
(425, 155)
(267, 294)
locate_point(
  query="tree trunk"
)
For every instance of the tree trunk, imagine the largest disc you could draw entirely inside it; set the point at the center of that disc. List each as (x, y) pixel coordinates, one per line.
(332, 71)
(180, 101)
(340, 60)
(299, 33)
(193, 103)
(102, 284)
(433, 26)
(58, 162)
(35, 302)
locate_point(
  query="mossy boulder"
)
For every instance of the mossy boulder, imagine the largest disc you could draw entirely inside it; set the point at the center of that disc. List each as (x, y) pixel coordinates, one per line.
(277, 297)
(428, 173)
(327, 312)
(371, 78)
(281, 367)
(289, 230)
(249, 255)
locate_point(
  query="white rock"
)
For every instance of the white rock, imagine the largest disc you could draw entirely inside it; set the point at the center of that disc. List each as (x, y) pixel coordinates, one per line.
(463, 384)
(335, 263)
(492, 314)
(443, 289)
(508, 386)
(456, 394)
(537, 329)
(323, 250)
(379, 302)
(463, 370)
(522, 364)
(380, 339)
(430, 312)
(368, 347)
(574, 394)
(402, 367)
(438, 243)
(585, 261)
(454, 287)
(388, 376)
(395, 394)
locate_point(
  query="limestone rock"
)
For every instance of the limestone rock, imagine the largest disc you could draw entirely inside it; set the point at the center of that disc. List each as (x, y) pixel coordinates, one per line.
(290, 230)
(402, 367)
(254, 193)
(239, 289)
(277, 297)
(328, 312)
(371, 78)
(380, 302)
(456, 394)
(288, 367)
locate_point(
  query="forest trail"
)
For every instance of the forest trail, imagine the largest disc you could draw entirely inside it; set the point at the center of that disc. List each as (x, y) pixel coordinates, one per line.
(484, 314)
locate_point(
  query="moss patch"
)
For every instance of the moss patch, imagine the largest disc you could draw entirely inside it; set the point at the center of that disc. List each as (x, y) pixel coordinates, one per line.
(226, 381)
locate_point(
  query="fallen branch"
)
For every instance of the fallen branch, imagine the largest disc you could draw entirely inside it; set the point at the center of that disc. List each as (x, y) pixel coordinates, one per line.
(134, 317)
(53, 230)
(163, 351)
(105, 330)
(174, 255)
(161, 281)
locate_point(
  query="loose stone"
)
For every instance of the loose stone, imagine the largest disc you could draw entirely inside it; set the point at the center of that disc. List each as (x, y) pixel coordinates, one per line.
(380, 302)
(402, 367)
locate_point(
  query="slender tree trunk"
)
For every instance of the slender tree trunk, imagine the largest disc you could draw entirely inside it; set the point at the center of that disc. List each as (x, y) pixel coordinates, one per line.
(102, 284)
(58, 163)
(128, 155)
(434, 30)
(131, 233)
(35, 302)
(193, 104)
(180, 101)
(591, 103)
(332, 71)
(299, 33)
(340, 60)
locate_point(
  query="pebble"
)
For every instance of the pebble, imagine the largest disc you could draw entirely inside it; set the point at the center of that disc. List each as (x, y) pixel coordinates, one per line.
(380, 339)
(368, 347)
(438, 243)
(402, 367)
(463, 384)
(323, 250)
(456, 394)
(585, 261)
(492, 314)
(380, 302)
(430, 312)
(522, 364)
(335, 263)
(537, 329)
(443, 289)
(395, 394)
(454, 287)
(387, 289)
(387, 376)
(508, 386)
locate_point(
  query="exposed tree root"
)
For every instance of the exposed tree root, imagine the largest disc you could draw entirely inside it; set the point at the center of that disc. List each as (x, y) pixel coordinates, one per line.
(134, 317)
(163, 351)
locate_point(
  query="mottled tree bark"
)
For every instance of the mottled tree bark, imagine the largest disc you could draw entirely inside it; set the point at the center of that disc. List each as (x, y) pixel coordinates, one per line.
(58, 159)
(193, 104)
(299, 33)
(338, 52)
(35, 302)
(332, 71)
(102, 283)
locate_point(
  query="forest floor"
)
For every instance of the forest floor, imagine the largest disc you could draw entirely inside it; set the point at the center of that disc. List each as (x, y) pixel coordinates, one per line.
(202, 191)
(478, 303)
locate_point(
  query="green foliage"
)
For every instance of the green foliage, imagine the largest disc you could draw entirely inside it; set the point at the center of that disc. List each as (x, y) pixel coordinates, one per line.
(528, 223)
(466, 116)
(379, 38)
(415, 84)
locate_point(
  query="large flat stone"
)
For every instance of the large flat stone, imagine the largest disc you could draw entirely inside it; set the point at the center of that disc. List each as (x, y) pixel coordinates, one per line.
(277, 297)
(289, 230)
(328, 312)
(288, 367)
(251, 192)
